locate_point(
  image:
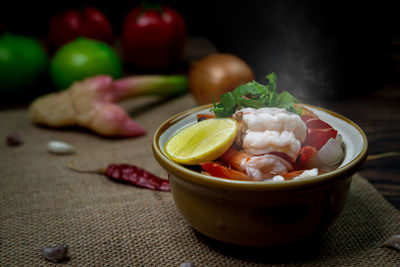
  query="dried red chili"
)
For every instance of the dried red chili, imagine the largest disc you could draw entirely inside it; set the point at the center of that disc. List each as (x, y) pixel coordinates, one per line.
(131, 174)
(137, 176)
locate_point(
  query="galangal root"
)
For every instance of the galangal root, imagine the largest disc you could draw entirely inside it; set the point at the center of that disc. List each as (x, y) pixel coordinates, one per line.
(91, 103)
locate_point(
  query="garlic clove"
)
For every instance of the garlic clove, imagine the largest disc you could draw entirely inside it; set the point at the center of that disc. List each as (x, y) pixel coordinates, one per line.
(60, 148)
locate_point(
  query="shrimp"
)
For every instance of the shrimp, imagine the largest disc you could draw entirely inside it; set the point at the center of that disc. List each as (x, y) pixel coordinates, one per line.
(260, 167)
(267, 130)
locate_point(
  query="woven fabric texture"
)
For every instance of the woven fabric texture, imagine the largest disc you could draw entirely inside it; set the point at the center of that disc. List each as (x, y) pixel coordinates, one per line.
(105, 223)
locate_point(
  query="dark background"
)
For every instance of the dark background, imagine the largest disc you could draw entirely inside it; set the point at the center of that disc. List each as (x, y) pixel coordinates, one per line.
(319, 49)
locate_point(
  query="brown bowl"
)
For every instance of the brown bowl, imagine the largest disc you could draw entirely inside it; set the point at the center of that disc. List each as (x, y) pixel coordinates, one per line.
(261, 213)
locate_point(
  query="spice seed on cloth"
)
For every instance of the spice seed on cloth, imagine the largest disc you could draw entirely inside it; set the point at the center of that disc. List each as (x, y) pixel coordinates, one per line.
(55, 253)
(13, 139)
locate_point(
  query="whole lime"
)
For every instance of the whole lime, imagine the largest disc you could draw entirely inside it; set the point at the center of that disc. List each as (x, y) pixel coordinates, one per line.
(83, 58)
(22, 61)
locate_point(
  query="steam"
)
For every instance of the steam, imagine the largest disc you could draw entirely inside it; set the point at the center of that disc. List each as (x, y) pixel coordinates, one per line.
(319, 50)
(298, 51)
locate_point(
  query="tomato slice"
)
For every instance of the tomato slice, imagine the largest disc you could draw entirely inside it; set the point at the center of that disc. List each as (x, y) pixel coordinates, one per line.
(306, 153)
(219, 170)
(318, 132)
(318, 137)
(305, 118)
(317, 124)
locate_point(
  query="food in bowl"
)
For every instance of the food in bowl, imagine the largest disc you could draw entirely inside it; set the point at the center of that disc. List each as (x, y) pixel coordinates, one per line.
(257, 213)
(256, 134)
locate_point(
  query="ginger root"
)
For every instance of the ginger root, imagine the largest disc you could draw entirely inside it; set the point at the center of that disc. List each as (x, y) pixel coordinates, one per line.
(91, 103)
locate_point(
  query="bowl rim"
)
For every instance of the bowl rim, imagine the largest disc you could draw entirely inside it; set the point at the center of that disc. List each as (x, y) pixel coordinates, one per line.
(184, 173)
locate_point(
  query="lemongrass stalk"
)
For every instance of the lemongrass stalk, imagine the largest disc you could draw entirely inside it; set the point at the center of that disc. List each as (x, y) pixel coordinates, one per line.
(144, 85)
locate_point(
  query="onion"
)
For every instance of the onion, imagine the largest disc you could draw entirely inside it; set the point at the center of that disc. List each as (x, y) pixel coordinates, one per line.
(329, 155)
(217, 74)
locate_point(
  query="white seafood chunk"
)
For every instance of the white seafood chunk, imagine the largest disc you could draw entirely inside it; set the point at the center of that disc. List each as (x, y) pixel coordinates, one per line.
(257, 143)
(268, 130)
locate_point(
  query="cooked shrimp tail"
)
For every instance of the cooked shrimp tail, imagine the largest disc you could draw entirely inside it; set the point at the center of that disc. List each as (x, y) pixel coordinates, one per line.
(235, 158)
(260, 167)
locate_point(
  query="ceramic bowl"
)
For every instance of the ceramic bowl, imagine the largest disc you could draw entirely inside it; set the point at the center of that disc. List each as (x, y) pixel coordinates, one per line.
(261, 213)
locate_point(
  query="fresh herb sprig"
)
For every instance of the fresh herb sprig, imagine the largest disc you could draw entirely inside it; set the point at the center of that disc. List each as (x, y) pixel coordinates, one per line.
(254, 95)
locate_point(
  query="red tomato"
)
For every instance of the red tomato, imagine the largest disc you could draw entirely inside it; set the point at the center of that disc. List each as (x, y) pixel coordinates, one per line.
(306, 153)
(318, 132)
(88, 22)
(153, 38)
(313, 122)
(218, 170)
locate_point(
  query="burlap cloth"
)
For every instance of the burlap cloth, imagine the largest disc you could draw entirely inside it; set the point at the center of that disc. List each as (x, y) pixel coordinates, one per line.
(105, 223)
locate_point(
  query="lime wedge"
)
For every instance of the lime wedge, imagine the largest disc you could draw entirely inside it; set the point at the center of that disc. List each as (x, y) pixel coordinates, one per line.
(201, 142)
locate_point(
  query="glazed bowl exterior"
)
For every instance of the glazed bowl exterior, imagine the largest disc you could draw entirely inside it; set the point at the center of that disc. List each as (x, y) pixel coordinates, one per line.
(261, 213)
